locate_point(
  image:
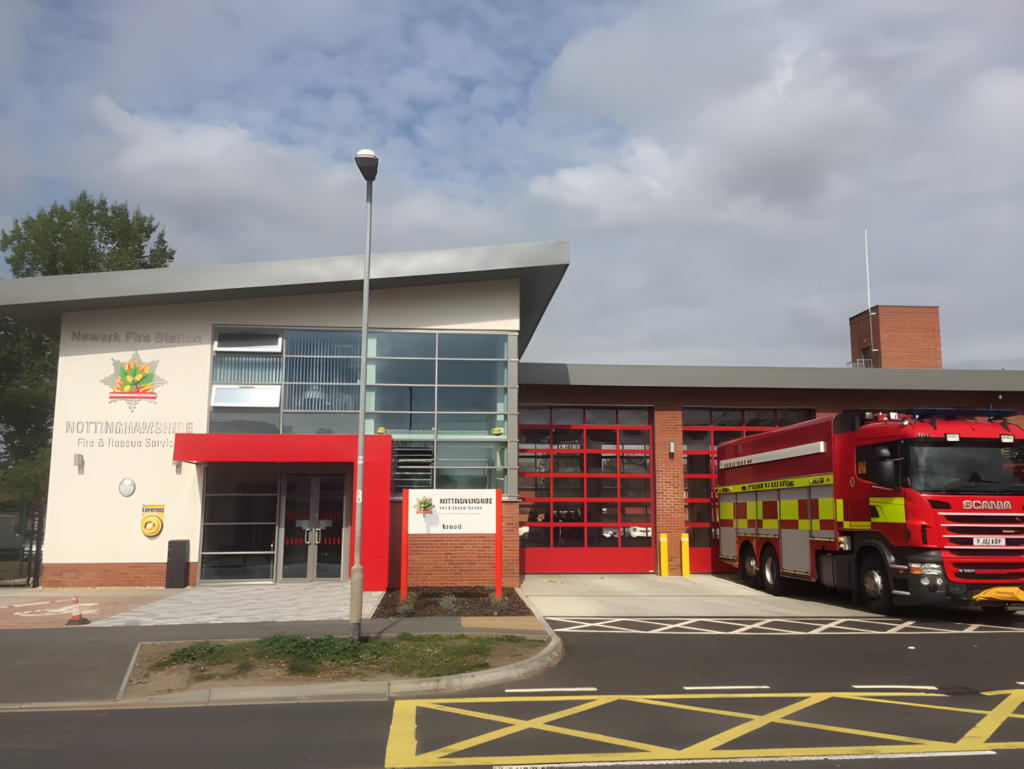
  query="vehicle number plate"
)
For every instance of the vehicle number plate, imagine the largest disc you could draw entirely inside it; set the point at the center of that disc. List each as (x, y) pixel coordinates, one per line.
(989, 541)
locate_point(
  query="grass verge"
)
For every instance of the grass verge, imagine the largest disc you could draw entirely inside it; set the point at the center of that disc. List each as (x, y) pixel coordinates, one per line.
(402, 656)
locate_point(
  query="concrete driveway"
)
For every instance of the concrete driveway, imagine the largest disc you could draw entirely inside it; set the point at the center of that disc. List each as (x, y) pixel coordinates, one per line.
(648, 595)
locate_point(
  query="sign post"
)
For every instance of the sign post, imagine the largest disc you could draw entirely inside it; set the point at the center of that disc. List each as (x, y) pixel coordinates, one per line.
(497, 545)
(404, 589)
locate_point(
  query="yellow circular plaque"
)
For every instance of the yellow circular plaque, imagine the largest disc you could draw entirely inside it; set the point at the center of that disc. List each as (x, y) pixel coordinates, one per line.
(152, 525)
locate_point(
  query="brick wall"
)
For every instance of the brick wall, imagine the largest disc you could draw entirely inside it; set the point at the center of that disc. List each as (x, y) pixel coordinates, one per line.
(74, 575)
(442, 560)
(861, 337)
(905, 337)
(669, 507)
(909, 337)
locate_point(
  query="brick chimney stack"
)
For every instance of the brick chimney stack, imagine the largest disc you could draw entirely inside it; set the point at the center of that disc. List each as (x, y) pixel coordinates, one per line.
(905, 337)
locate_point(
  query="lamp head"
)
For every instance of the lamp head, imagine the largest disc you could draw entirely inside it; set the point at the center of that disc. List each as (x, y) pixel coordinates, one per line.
(367, 162)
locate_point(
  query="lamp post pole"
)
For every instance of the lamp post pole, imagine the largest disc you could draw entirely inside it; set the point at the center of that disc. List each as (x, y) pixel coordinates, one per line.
(367, 162)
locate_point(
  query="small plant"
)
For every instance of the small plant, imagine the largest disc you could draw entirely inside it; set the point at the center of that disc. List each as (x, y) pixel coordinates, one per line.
(201, 652)
(408, 607)
(449, 604)
(498, 604)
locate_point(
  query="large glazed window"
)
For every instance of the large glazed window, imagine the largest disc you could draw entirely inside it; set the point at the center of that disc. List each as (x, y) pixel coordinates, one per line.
(239, 522)
(307, 381)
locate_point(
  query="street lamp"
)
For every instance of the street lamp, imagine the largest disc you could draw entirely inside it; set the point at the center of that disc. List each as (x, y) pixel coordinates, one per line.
(367, 162)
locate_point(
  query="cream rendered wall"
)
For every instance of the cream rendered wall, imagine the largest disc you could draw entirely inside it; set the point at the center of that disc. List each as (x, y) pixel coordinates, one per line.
(88, 521)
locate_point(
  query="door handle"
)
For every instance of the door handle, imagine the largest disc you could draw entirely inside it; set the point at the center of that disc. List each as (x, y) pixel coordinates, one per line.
(306, 536)
(318, 536)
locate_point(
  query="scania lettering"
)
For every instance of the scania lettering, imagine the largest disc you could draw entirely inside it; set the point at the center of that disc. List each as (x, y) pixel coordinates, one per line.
(924, 507)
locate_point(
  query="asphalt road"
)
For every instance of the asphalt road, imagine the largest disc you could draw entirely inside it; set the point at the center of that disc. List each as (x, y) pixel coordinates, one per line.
(640, 710)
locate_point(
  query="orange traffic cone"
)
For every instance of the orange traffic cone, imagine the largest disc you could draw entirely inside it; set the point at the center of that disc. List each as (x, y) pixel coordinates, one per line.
(76, 617)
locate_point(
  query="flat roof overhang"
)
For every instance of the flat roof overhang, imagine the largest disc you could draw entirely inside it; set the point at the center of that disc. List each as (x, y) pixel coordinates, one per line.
(762, 378)
(39, 303)
(279, 449)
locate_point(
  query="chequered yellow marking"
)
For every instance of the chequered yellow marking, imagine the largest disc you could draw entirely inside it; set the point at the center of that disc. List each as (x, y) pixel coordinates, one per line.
(826, 509)
(402, 745)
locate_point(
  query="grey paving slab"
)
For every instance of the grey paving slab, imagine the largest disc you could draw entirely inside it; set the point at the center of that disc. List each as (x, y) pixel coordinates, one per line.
(632, 585)
(647, 595)
(248, 603)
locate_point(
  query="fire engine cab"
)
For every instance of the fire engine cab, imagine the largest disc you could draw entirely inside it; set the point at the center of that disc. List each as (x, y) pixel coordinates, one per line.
(923, 507)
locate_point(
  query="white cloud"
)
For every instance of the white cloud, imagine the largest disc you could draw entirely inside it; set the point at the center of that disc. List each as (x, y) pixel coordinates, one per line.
(714, 165)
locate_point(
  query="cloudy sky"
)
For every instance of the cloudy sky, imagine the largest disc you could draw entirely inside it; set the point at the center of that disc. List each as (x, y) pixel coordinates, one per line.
(714, 164)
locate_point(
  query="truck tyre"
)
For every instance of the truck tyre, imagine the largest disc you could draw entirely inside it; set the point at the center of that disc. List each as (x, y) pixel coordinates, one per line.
(771, 577)
(874, 587)
(748, 565)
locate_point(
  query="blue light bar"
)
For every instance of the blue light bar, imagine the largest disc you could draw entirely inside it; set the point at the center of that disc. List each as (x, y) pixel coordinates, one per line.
(960, 413)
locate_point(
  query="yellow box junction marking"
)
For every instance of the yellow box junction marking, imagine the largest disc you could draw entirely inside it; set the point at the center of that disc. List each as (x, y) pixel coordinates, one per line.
(402, 749)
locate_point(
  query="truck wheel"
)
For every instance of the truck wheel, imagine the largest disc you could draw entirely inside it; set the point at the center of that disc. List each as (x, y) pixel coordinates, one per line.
(771, 579)
(748, 565)
(875, 591)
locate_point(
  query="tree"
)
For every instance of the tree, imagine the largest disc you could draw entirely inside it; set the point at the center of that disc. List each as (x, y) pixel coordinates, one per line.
(28, 383)
(86, 235)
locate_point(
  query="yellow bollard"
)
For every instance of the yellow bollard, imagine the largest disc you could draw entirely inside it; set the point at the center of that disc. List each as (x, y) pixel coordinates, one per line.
(664, 555)
(686, 554)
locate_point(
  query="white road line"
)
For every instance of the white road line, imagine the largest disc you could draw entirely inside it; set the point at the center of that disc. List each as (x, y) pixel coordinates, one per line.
(897, 628)
(895, 686)
(774, 759)
(723, 626)
(566, 689)
(834, 623)
(748, 627)
(711, 688)
(684, 623)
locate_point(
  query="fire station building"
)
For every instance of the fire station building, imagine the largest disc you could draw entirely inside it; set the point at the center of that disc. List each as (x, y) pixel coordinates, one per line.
(217, 406)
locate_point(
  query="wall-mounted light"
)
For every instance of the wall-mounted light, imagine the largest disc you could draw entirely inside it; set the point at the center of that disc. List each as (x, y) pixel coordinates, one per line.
(80, 464)
(672, 449)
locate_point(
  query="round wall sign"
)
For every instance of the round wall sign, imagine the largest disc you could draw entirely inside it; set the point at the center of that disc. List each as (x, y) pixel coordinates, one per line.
(127, 487)
(152, 525)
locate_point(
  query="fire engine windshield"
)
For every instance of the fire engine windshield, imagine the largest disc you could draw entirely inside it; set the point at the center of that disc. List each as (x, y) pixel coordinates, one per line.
(966, 467)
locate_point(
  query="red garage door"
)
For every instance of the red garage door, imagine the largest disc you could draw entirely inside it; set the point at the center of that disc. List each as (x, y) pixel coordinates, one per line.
(586, 481)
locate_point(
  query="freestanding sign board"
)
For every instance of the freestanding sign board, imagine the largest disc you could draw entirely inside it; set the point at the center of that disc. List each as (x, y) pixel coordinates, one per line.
(451, 512)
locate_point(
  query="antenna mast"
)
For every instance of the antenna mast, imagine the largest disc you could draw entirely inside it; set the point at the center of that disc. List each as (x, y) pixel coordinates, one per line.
(867, 267)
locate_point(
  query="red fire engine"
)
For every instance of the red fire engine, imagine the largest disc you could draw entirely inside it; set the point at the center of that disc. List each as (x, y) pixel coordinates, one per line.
(915, 508)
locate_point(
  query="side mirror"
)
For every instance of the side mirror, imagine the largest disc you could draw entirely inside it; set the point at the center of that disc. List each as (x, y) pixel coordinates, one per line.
(887, 474)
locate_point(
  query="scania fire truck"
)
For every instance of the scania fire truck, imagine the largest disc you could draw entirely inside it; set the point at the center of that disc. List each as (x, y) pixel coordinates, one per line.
(923, 507)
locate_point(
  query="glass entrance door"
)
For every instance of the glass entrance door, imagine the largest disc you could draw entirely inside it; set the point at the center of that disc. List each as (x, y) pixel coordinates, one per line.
(314, 528)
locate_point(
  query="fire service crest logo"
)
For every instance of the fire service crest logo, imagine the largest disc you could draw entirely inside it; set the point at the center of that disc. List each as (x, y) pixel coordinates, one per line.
(133, 381)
